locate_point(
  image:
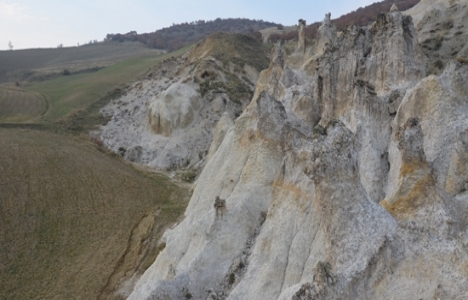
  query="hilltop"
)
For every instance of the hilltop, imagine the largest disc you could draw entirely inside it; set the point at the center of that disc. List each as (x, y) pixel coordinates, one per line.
(362, 16)
(179, 35)
(44, 64)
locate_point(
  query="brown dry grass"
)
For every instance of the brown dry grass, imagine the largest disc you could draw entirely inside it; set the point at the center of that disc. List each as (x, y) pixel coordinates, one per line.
(43, 64)
(19, 106)
(67, 211)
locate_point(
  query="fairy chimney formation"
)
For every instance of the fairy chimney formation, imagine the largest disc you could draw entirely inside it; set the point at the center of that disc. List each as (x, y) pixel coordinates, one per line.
(301, 45)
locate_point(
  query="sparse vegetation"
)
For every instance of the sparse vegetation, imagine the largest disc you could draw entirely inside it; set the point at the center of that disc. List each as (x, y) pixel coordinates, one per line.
(180, 35)
(462, 60)
(187, 176)
(239, 49)
(361, 17)
(319, 130)
(235, 51)
(322, 273)
(122, 151)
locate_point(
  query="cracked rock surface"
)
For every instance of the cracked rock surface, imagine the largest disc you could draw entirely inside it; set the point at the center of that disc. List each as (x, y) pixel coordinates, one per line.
(345, 177)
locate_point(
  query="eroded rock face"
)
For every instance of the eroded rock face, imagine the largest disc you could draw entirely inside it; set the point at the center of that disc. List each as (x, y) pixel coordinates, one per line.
(173, 109)
(343, 179)
(167, 121)
(301, 45)
(442, 31)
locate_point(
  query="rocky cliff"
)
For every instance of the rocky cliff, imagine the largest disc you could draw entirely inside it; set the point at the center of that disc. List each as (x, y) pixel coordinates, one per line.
(442, 31)
(167, 121)
(344, 178)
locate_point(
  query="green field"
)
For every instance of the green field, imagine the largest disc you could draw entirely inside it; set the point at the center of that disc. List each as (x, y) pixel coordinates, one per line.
(67, 211)
(41, 64)
(65, 97)
(69, 94)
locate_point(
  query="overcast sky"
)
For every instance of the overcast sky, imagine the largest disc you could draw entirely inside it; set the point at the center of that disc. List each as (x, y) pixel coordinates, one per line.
(47, 23)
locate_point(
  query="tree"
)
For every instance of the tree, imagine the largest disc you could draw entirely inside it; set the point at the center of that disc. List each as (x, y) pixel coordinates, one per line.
(10, 45)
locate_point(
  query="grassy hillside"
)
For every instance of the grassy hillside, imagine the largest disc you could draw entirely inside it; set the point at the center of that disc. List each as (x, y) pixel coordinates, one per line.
(274, 30)
(74, 94)
(239, 49)
(75, 219)
(41, 64)
(67, 213)
(20, 106)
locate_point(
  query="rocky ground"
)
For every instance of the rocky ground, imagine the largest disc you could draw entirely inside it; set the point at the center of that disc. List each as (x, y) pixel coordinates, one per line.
(343, 178)
(166, 122)
(442, 32)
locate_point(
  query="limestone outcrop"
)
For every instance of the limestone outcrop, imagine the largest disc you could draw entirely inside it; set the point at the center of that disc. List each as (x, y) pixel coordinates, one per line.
(301, 45)
(343, 178)
(442, 31)
(166, 121)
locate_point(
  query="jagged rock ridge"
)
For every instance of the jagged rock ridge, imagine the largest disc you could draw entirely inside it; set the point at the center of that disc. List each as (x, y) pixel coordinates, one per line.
(442, 31)
(344, 178)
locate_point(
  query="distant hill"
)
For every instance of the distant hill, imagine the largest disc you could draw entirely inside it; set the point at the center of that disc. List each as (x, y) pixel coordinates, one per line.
(43, 64)
(179, 35)
(361, 17)
(365, 15)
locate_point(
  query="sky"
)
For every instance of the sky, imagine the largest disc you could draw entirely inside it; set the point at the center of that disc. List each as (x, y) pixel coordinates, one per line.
(48, 23)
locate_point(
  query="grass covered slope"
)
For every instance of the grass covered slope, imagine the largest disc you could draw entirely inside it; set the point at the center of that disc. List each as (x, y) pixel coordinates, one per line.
(19, 106)
(68, 94)
(67, 214)
(39, 64)
(239, 49)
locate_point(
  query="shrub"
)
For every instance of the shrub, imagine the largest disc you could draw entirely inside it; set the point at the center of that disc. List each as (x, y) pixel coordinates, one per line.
(97, 141)
(122, 151)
